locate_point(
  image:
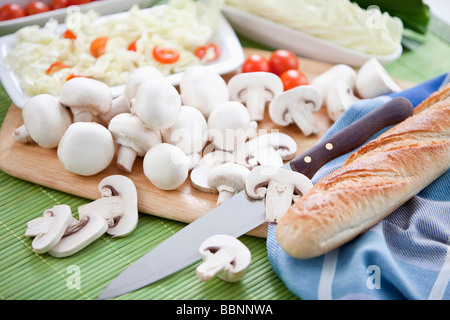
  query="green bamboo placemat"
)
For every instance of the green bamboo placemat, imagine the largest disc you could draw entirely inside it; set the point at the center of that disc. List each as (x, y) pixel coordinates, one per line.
(26, 275)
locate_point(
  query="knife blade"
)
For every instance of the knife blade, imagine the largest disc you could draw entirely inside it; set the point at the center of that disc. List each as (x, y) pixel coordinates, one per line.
(241, 214)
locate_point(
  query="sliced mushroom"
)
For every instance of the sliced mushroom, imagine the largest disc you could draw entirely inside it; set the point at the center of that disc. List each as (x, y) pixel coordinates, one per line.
(190, 131)
(229, 125)
(49, 229)
(166, 166)
(86, 97)
(118, 205)
(297, 106)
(79, 235)
(340, 97)
(228, 179)
(119, 105)
(86, 148)
(373, 80)
(157, 104)
(45, 121)
(203, 89)
(223, 256)
(280, 187)
(133, 137)
(136, 78)
(261, 150)
(254, 89)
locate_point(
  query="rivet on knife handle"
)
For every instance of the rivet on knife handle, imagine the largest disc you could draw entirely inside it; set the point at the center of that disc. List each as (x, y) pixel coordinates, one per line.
(353, 136)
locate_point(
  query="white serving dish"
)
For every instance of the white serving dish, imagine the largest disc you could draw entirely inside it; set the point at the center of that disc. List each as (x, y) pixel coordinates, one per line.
(231, 58)
(103, 7)
(279, 36)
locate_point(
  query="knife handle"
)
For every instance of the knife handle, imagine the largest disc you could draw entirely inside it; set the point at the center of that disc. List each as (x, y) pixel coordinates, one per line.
(352, 136)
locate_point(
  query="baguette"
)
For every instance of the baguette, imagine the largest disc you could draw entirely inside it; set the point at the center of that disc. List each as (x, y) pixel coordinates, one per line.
(372, 183)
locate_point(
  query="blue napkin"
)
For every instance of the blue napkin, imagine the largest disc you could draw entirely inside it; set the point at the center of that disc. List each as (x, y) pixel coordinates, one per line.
(405, 256)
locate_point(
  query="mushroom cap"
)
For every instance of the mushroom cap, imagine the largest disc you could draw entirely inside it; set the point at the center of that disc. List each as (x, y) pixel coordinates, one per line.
(157, 104)
(203, 89)
(86, 148)
(127, 130)
(239, 85)
(229, 175)
(50, 228)
(93, 226)
(299, 99)
(340, 97)
(166, 166)
(136, 78)
(86, 94)
(45, 119)
(190, 131)
(260, 176)
(228, 125)
(240, 256)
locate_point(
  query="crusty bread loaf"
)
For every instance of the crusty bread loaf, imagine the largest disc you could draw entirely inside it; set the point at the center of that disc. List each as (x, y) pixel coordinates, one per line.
(373, 182)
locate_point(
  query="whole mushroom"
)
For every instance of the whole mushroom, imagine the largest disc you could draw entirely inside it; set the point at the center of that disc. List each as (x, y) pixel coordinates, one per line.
(297, 106)
(340, 97)
(86, 148)
(86, 98)
(45, 121)
(228, 178)
(119, 105)
(133, 138)
(254, 89)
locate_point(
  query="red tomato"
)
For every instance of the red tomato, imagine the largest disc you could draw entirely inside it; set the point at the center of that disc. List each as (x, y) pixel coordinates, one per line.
(293, 78)
(255, 62)
(98, 46)
(201, 52)
(11, 11)
(282, 60)
(58, 4)
(165, 55)
(78, 2)
(35, 7)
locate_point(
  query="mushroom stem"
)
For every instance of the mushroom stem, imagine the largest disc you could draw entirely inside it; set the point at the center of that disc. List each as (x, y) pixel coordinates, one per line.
(108, 207)
(21, 134)
(305, 121)
(225, 193)
(256, 103)
(125, 158)
(215, 264)
(81, 116)
(278, 200)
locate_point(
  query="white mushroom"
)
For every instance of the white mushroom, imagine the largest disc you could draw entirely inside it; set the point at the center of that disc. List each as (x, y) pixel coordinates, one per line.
(49, 229)
(254, 89)
(199, 174)
(373, 80)
(279, 186)
(136, 78)
(45, 121)
(340, 96)
(117, 205)
(79, 235)
(229, 125)
(297, 106)
(325, 80)
(267, 149)
(229, 179)
(223, 256)
(190, 131)
(86, 97)
(133, 137)
(157, 104)
(203, 89)
(86, 148)
(166, 166)
(119, 105)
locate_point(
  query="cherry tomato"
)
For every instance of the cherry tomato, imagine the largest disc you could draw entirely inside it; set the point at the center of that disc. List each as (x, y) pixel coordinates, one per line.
(293, 78)
(282, 60)
(55, 66)
(11, 11)
(98, 46)
(58, 4)
(165, 55)
(69, 35)
(201, 52)
(78, 2)
(35, 7)
(255, 62)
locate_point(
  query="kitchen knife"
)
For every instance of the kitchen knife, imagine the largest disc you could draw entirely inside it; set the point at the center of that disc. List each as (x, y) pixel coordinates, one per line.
(241, 214)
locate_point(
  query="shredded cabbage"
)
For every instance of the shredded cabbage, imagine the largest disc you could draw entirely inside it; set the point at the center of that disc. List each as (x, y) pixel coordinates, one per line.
(339, 21)
(182, 25)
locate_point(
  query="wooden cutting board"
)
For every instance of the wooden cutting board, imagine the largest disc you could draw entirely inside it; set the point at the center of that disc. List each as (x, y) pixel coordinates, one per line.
(42, 166)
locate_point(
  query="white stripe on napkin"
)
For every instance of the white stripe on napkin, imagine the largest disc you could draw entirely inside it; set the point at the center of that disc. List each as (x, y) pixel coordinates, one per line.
(327, 275)
(442, 280)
